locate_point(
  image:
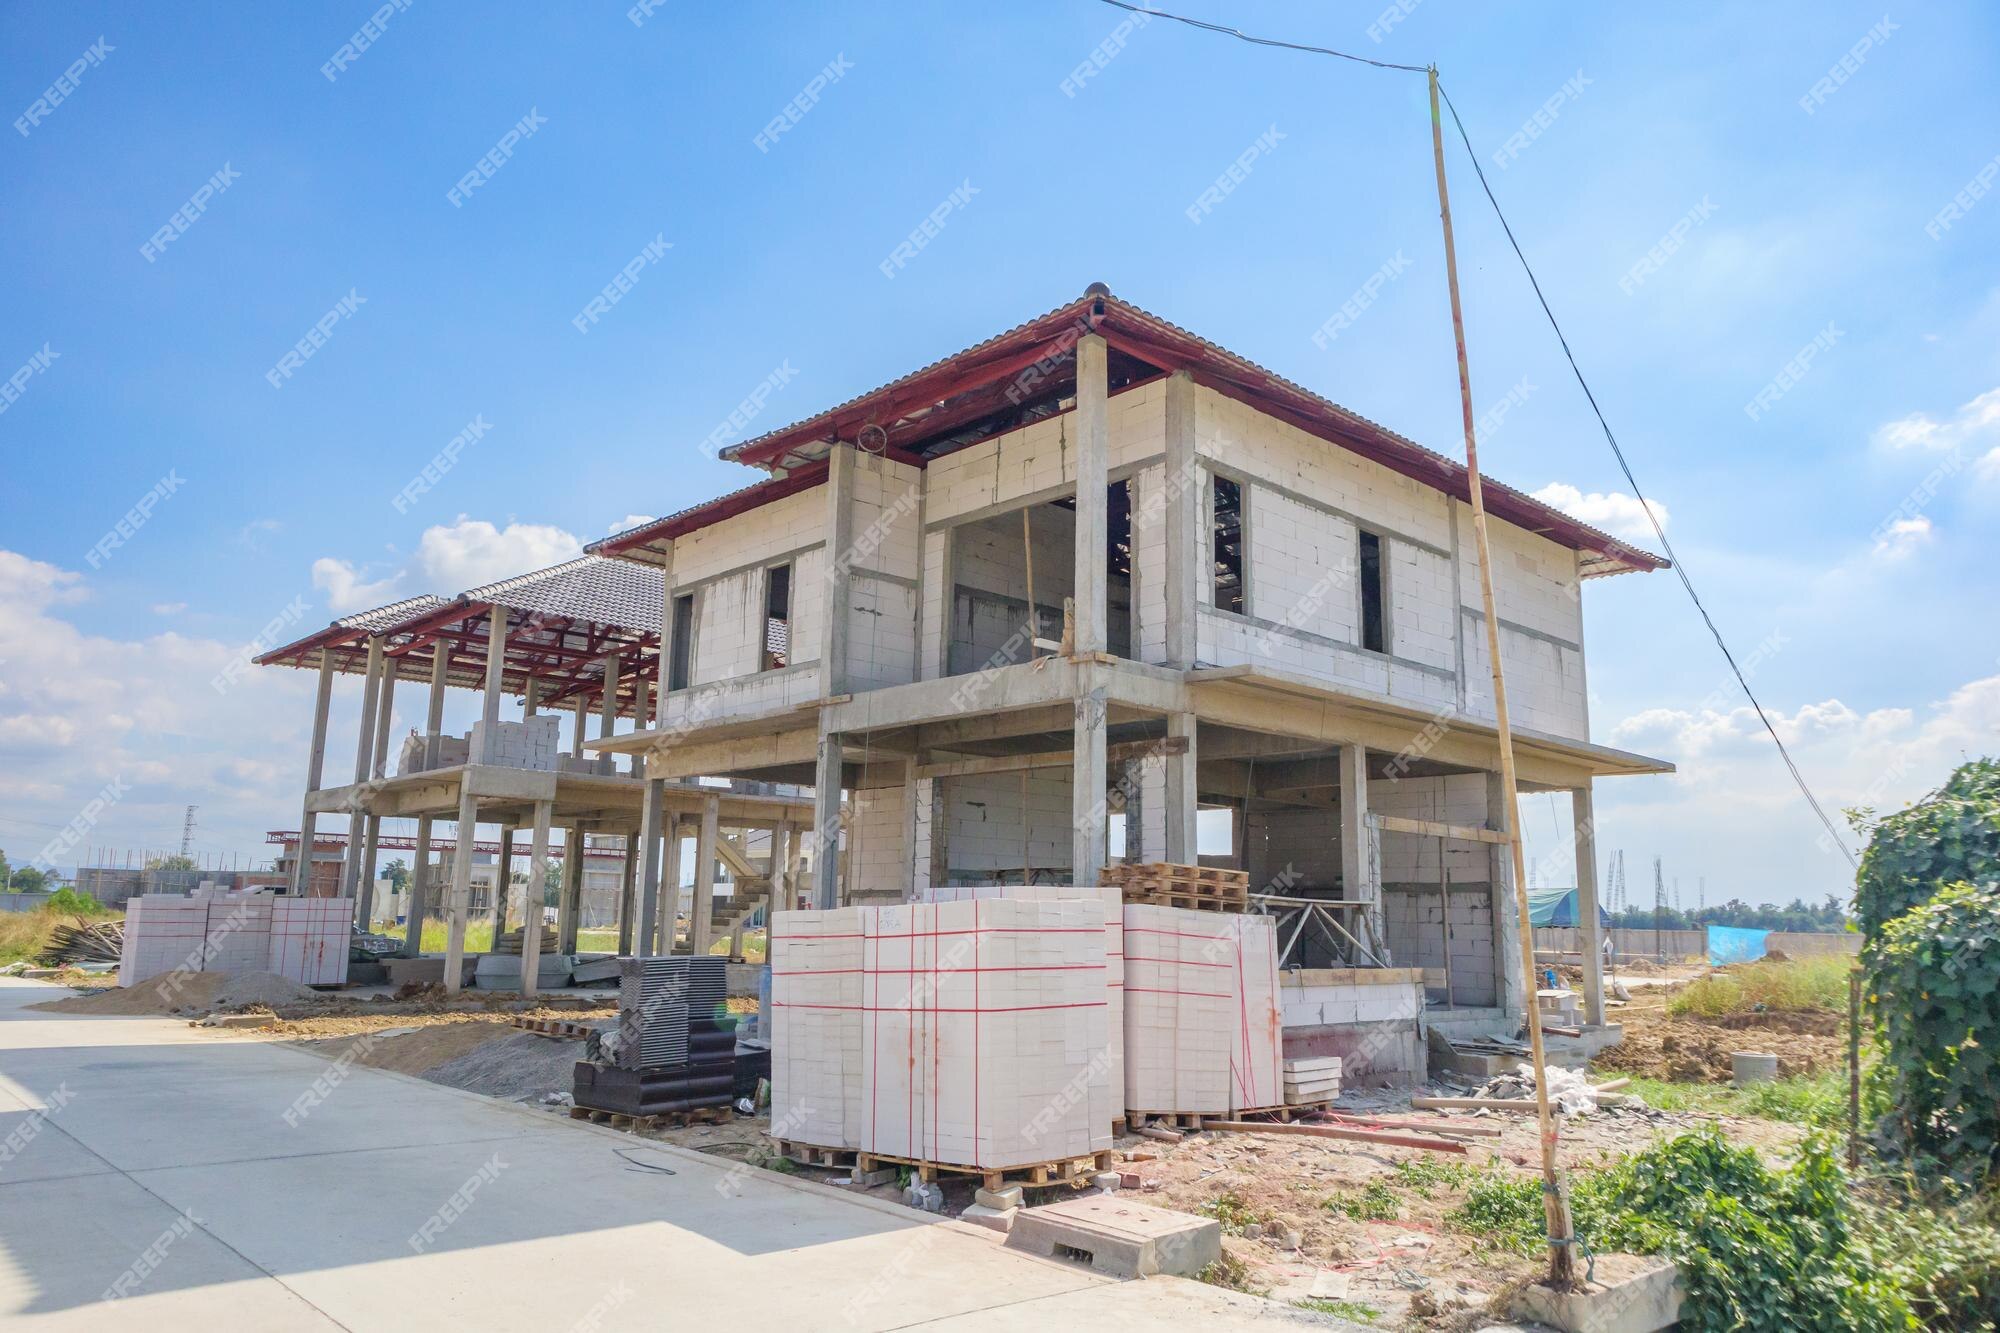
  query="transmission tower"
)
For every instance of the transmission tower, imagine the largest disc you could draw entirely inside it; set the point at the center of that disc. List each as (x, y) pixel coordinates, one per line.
(1659, 908)
(187, 831)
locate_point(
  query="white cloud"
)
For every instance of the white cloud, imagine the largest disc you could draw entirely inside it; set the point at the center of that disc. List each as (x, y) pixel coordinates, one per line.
(345, 588)
(80, 711)
(169, 608)
(1901, 537)
(1617, 513)
(253, 532)
(1975, 427)
(629, 522)
(472, 552)
(1731, 811)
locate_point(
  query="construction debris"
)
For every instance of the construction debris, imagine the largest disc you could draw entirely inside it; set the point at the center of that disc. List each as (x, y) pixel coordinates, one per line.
(84, 941)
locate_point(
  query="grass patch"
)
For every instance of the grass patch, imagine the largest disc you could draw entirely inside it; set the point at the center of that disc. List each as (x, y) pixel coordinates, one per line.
(1816, 1100)
(1230, 1210)
(1375, 1203)
(1228, 1272)
(1793, 985)
(23, 935)
(1357, 1312)
(479, 938)
(1424, 1174)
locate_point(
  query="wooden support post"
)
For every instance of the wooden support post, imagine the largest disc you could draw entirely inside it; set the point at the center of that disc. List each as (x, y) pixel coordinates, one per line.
(1087, 791)
(826, 824)
(467, 834)
(315, 773)
(496, 665)
(1555, 1197)
(420, 892)
(531, 904)
(1182, 847)
(1583, 820)
(700, 932)
(1093, 452)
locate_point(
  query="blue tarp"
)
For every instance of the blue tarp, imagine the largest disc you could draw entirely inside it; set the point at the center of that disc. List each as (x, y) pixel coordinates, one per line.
(1734, 944)
(1558, 907)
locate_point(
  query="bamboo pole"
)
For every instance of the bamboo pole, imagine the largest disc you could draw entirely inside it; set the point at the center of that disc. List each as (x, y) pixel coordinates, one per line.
(1555, 1197)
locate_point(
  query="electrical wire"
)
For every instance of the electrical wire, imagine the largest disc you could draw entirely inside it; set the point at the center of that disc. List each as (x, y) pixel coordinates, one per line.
(1618, 452)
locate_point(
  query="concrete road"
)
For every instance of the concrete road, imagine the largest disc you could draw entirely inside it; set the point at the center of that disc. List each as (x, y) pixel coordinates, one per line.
(161, 1178)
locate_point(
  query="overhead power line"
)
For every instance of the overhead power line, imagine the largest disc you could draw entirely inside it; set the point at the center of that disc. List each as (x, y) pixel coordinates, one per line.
(1617, 451)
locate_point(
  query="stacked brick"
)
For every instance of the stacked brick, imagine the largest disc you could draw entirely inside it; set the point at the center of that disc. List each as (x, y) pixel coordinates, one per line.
(303, 939)
(1203, 1032)
(970, 1034)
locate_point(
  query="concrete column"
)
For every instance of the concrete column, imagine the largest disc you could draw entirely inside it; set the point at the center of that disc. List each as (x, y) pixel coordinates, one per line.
(364, 901)
(1182, 848)
(826, 824)
(1093, 453)
(569, 903)
(1584, 820)
(1087, 807)
(385, 709)
(582, 707)
(783, 870)
(627, 884)
(911, 786)
(651, 814)
(837, 595)
(503, 881)
(315, 773)
(1357, 869)
(496, 662)
(461, 887)
(795, 865)
(364, 752)
(699, 932)
(434, 711)
(531, 915)
(531, 699)
(607, 709)
(420, 890)
(1181, 478)
(1506, 917)
(668, 895)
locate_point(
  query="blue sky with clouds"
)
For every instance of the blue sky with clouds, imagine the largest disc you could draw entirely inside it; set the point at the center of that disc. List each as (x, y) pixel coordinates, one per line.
(1846, 522)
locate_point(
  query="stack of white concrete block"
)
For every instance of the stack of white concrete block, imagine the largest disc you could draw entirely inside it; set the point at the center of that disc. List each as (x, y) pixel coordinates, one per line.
(1112, 901)
(815, 1022)
(305, 939)
(310, 939)
(529, 743)
(980, 1026)
(163, 931)
(1311, 1081)
(1203, 1032)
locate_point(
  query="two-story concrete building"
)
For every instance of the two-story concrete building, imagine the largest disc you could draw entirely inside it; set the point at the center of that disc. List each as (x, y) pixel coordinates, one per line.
(1098, 571)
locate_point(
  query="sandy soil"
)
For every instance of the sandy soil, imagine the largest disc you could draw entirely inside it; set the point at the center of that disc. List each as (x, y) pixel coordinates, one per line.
(1694, 1050)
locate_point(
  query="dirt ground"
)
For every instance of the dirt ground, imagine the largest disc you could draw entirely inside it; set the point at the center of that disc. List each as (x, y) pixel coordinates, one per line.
(1696, 1050)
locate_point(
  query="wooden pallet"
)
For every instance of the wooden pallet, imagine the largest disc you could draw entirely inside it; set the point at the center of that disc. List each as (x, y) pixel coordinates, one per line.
(554, 1027)
(1287, 1113)
(811, 1154)
(1200, 888)
(707, 1115)
(1188, 1120)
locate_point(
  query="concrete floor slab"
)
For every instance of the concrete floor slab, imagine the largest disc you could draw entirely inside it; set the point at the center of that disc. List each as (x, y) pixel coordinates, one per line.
(395, 1203)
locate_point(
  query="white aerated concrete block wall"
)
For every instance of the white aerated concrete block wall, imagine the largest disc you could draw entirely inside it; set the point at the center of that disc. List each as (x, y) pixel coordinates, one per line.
(817, 1019)
(1109, 1100)
(1203, 1030)
(530, 743)
(884, 559)
(984, 814)
(980, 1025)
(305, 939)
(875, 831)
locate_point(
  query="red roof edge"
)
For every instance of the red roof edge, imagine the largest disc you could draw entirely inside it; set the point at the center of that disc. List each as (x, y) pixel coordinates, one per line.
(742, 501)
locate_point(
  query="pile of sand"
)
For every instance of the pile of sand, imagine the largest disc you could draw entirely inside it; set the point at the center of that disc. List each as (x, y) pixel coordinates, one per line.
(525, 1064)
(412, 1050)
(189, 993)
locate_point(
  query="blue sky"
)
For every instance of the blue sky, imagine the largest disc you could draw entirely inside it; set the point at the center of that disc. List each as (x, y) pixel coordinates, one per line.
(1884, 657)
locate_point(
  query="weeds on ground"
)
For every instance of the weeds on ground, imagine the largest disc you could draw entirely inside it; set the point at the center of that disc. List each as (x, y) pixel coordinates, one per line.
(1230, 1210)
(1358, 1312)
(1815, 1100)
(1227, 1272)
(1423, 1174)
(1791, 985)
(1375, 1203)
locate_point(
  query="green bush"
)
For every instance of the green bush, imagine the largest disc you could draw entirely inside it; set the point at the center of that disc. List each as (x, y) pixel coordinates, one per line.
(1788, 985)
(77, 904)
(1951, 835)
(1792, 1248)
(1934, 976)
